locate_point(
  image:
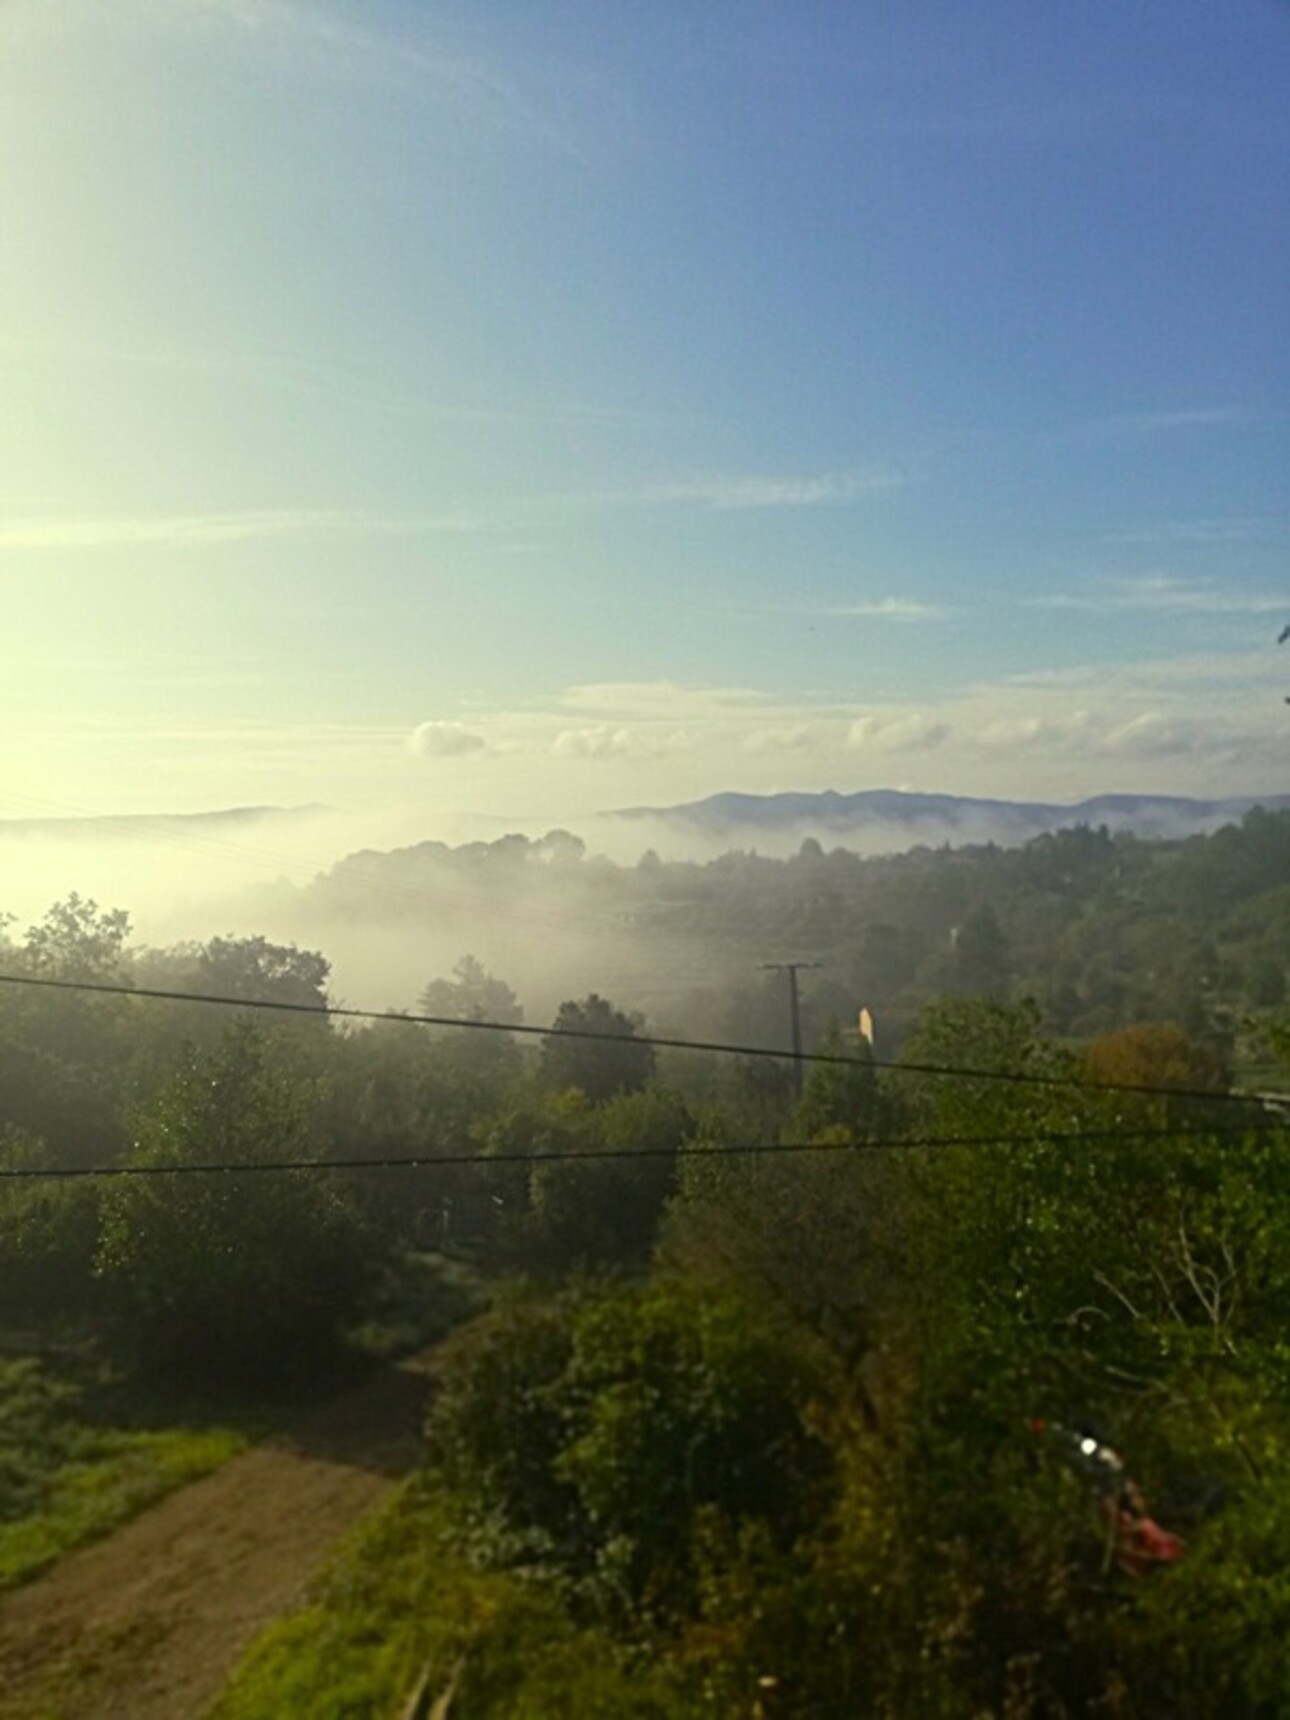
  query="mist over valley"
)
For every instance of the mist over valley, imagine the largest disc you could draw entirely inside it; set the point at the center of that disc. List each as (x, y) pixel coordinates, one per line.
(874, 888)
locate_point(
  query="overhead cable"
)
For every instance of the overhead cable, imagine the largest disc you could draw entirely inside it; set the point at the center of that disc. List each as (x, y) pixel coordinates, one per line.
(1011, 1077)
(483, 1159)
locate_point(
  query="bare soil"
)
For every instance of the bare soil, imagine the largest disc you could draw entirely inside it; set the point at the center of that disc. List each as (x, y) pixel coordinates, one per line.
(148, 1624)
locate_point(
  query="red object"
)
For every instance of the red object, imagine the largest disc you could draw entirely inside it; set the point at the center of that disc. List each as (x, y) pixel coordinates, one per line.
(1140, 1543)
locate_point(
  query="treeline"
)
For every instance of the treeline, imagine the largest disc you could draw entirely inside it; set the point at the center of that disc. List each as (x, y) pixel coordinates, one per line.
(1100, 930)
(756, 1408)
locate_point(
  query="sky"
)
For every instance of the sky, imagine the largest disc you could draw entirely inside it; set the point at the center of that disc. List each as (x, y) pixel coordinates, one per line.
(500, 411)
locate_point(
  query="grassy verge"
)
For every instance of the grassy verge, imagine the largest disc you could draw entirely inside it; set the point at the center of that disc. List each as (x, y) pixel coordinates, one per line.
(401, 1603)
(65, 1480)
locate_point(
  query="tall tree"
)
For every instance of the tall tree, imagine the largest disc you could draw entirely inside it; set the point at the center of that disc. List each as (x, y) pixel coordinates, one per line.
(240, 1274)
(619, 1063)
(472, 994)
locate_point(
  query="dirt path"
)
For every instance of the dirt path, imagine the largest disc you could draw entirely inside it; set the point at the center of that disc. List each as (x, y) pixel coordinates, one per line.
(147, 1624)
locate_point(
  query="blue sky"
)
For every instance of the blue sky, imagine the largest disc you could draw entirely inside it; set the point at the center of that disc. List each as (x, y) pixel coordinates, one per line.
(501, 411)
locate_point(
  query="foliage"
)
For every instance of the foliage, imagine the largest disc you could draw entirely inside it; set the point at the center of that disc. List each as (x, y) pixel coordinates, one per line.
(605, 1209)
(48, 1235)
(981, 955)
(1155, 1056)
(598, 1068)
(65, 1480)
(228, 1273)
(475, 995)
(594, 1433)
(77, 940)
(402, 1607)
(260, 971)
(787, 1464)
(839, 1100)
(472, 994)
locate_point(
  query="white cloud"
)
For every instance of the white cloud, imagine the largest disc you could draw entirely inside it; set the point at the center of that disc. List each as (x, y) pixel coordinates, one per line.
(1227, 676)
(1026, 733)
(666, 700)
(598, 742)
(787, 737)
(1192, 726)
(1153, 734)
(445, 740)
(1237, 529)
(913, 732)
(603, 740)
(892, 609)
(767, 490)
(1178, 418)
(1165, 594)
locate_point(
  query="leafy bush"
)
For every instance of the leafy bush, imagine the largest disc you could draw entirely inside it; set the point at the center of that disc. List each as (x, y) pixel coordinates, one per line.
(228, 1273)
(598, 1431)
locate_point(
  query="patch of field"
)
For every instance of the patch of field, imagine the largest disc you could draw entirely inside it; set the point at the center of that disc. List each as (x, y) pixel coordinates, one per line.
(404, 1610)
(148, 1623)
(65, 1480)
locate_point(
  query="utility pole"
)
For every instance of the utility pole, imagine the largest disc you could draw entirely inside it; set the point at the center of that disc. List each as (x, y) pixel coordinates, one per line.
(792, 969)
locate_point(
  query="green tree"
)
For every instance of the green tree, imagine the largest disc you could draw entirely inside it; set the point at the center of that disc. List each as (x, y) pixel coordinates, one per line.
(263, 972)
(607, 1433)
(65, 1055)
(472, 994)
(604, 1209)
(77, 940)
(48, 1236)
(244, 1273)
(981, 957)
(839, 1100)
(619, 1063)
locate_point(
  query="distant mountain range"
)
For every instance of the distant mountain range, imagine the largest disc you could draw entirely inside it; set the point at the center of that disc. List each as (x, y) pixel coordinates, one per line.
(889, 819)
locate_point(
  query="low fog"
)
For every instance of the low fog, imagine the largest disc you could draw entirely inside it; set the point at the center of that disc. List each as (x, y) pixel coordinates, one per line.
(386, 927)
(637, 906)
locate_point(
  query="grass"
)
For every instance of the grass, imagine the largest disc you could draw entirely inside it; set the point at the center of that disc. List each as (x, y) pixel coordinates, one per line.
(82, 1450)
(66, 1480)
(422, 1298)
(401, 1603)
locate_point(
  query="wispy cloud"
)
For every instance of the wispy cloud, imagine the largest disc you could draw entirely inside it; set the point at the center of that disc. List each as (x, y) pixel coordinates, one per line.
(1164, 594)
(768, 490)
(406, 58)
(913, 732)
(891, 609)
(1250, 529)
(1177, 418)
(197, 530)
(662, 700)
(327, 40)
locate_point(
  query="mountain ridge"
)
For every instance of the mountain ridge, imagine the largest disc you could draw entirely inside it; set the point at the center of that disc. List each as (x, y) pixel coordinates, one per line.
(868, 811)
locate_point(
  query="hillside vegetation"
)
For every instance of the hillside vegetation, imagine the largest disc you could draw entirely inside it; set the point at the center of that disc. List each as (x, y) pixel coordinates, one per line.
(906, 1393)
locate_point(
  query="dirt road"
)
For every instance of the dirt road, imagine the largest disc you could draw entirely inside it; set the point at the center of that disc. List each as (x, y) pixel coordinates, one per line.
(147, 1624)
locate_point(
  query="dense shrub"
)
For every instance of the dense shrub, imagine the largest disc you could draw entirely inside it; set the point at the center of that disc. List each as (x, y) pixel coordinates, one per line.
(231, 1271)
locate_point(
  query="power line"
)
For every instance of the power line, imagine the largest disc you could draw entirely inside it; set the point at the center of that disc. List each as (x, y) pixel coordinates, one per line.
(483, 1160)
(1011, 1077)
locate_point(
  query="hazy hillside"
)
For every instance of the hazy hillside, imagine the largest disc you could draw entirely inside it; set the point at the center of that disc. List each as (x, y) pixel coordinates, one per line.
(888, 820)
